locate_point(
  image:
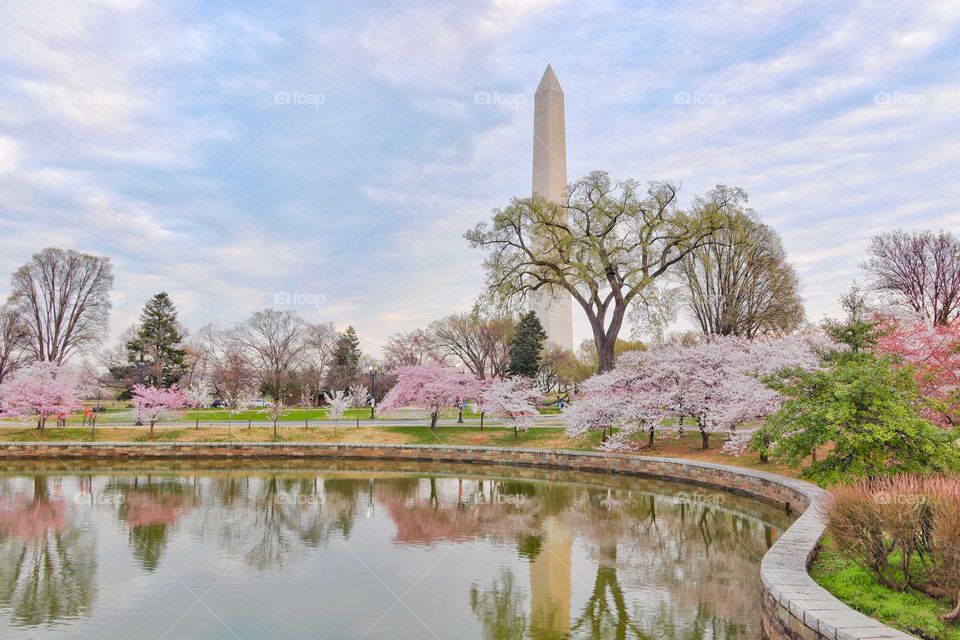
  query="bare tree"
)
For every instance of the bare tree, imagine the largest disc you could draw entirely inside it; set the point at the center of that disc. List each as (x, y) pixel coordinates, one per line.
(272, 342)
(741, 284)
(605, 246)
(410, 349)
(481, 344)
(918, 269)
(62, 299)
(12, 354)
(320, 341)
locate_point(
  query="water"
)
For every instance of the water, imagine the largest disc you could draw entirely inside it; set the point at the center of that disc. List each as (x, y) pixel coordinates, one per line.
(375, 552)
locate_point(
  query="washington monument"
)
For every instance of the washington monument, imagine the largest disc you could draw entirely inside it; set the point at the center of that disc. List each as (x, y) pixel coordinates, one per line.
(553, 308)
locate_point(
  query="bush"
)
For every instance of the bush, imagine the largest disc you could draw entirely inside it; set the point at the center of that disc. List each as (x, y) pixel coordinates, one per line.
(905, 530)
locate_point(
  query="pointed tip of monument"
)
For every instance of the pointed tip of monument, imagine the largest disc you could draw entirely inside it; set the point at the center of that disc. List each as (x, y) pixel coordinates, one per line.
(549, 81)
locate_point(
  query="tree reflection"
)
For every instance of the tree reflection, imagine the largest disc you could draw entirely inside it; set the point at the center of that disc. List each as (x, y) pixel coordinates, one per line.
(47, 566)
(151, 508)
(499, 608)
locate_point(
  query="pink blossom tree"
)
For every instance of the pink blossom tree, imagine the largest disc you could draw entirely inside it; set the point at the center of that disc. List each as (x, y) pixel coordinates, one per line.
(431, 387)
(41, 390)
(716, 382)
(337, 404)
(359, 398)
(934, 354)
(513, 400)
(152, 403)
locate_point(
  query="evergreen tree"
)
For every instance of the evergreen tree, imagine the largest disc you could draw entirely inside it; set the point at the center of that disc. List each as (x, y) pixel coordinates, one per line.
(526, 346)
(158, 344)
(345, 367)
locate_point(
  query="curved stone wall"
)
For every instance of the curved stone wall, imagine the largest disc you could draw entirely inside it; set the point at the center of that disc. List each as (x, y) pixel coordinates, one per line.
(794, 606)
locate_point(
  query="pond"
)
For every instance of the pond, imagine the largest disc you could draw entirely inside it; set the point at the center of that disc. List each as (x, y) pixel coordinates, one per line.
(374, 551)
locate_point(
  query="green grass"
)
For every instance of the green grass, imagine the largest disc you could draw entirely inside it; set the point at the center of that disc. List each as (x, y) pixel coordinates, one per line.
(911, 611)
(160, 436)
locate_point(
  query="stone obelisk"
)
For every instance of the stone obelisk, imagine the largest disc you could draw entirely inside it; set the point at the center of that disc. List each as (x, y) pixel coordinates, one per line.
(550, 181)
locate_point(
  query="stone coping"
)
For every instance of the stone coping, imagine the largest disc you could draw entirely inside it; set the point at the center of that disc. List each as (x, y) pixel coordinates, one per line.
(794, 606)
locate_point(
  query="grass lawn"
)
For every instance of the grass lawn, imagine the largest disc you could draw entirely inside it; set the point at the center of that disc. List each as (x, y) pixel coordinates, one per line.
(912, 612)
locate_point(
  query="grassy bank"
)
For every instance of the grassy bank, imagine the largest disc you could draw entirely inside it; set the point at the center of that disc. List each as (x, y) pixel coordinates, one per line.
(912, 612)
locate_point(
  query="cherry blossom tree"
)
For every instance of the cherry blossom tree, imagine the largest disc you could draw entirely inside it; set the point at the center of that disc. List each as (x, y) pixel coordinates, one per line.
(717, 382)
(359, 398)
(236, 400)
(200, 393)
(152, 403)
(934, 353)
(337, 402)
(431, 387)
(513, 400)
(41, 390)
(305, 402)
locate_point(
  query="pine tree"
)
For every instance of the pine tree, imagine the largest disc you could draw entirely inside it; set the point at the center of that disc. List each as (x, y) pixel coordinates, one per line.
(526, 346)
(345, 367)
(158, 345)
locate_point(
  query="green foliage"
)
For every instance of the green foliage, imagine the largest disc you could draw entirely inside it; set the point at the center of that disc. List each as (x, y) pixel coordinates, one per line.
(158, 343)
(346, 361)
(866, 409)
(526, 346)
(858, 332)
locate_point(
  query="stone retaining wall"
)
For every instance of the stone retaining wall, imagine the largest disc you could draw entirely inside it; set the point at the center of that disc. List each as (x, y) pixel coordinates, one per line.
(794, 606)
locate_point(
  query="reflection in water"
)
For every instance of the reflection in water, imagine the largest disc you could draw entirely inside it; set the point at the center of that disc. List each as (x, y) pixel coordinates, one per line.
(490, 557)
(47, 564)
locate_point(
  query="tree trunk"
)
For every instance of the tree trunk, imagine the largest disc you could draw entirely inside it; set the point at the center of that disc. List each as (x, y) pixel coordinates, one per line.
(306, 421)
(151, 429)
(358, 418)
(764, 457)
(274, 427)
(650, 434)
(705, 437)
(481, 420)
(516, 432)
(433, 422)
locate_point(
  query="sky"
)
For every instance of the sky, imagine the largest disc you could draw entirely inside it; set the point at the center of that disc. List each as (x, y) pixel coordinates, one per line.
(327, 157)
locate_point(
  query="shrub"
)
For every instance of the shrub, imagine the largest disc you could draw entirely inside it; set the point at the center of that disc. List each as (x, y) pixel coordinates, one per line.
(905, 530)
(945, 542)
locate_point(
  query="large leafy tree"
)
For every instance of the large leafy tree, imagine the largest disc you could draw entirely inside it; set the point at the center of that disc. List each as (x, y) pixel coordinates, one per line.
(742, 284)
(526, 346)
(606, 245)
(158, 344)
